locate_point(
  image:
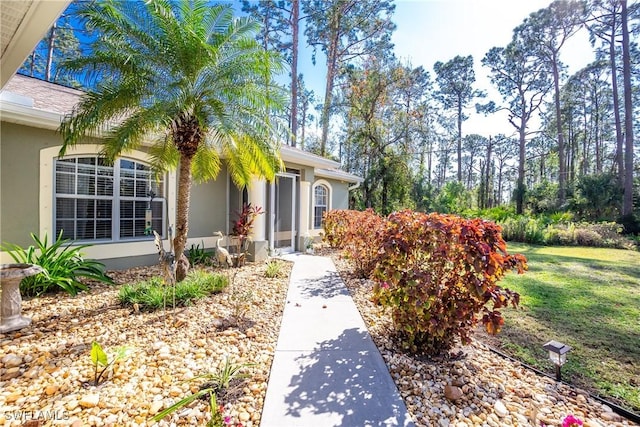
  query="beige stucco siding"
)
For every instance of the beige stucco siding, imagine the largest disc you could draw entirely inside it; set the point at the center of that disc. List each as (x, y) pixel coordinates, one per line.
(339, 194)
(20, 180)
(26, 194)
(208, 208)
(306, 172)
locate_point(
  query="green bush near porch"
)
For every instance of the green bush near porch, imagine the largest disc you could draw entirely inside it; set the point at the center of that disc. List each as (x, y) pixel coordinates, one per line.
(62, 264)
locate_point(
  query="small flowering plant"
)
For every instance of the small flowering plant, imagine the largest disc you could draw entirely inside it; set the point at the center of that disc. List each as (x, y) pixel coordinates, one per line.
(571, 421)
(228, 420)
(568, 421)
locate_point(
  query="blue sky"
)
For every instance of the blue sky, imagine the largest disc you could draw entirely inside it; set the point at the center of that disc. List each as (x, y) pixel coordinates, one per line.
(437, 30)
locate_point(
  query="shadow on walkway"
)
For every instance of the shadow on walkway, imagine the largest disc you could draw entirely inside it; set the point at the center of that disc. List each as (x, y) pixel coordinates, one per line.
(345, 385)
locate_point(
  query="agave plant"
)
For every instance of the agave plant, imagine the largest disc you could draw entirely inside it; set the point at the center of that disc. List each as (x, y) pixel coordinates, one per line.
(62, 264)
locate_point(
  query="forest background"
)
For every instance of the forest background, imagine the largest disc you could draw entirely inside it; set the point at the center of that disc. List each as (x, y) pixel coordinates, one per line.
(549, 128)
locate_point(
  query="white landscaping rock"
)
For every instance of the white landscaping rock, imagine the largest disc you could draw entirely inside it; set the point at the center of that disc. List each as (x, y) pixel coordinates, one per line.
(90, 400)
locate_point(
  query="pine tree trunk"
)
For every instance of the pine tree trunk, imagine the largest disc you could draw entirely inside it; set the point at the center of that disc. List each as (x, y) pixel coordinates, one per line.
(616, 104)
(562, 166)
(332, 61)
(459, 139)
(295, 12)
(487, 177)
(627, 200)
(50, 49)
(521, 167)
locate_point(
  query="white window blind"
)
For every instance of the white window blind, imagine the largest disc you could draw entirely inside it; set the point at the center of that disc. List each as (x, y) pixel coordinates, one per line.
(320, 204)
(97, 201)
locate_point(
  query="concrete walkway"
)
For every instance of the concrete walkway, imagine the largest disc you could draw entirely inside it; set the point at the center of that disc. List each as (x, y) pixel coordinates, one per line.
(327, 371)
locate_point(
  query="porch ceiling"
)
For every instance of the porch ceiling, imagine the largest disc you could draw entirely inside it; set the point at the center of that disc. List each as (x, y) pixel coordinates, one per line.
(23, 23)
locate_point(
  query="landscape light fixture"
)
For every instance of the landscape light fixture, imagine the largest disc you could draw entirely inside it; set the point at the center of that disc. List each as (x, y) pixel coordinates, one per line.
(557, 354)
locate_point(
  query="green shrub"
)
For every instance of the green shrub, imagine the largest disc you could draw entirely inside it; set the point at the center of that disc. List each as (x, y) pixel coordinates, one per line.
(495, 214)
(601, 234)
(597, 197)
(523, 229)
(153, 294)
(556, 218)
(274, 269)
(453, 197)
(558, 236)
(149, 294)
(62, 265)
(210, 283)
(630, 223)
(198, 255)
(437, 273)
(542, 198)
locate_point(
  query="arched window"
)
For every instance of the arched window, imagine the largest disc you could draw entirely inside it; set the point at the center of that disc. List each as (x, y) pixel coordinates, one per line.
(98, 201)
(320, 204)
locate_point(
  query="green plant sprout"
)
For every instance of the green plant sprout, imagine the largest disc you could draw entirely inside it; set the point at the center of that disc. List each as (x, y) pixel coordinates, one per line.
(99, 359)
(218, 383)
(274, 269)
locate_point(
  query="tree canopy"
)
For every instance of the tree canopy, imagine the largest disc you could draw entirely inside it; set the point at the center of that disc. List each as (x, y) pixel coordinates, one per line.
(188, 79)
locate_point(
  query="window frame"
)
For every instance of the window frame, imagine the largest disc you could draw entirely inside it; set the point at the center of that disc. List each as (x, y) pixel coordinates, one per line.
(329, 192)
(116, 197)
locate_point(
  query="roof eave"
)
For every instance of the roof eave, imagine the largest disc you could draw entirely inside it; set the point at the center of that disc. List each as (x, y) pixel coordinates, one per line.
(23, 115)
(339, 175)
(292, 155)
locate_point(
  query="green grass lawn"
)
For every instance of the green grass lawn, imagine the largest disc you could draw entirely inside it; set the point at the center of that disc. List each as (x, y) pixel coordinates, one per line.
(588, 298)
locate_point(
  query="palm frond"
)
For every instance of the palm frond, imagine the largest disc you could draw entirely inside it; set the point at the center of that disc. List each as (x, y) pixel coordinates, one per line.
(161, 62)
(163, 155)
(206, 164)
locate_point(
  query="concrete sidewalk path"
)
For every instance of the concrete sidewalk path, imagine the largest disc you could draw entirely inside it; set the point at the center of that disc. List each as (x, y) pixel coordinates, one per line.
(326, 370)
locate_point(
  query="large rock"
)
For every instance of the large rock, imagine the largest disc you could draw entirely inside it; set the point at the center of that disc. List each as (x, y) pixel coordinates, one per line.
(453, 392)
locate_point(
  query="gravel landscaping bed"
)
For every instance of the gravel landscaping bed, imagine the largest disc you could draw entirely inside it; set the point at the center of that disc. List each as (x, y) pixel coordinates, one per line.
(46, 370)
(472, 386)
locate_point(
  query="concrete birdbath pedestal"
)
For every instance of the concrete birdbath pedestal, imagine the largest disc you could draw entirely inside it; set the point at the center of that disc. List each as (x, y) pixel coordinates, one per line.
(11, 303)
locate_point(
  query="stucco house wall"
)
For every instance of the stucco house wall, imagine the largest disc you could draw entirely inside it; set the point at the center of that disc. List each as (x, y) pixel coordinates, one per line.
(29, 145)
(20, 180)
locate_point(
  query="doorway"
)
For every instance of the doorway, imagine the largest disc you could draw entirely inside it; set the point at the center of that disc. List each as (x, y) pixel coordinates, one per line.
(283, 213)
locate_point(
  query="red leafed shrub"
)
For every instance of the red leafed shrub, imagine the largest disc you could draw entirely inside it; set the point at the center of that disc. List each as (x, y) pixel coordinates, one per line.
(335, 224)
(358, 233)
(437, 273)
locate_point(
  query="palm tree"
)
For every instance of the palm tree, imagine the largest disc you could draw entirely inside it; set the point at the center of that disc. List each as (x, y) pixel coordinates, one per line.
(190, 80)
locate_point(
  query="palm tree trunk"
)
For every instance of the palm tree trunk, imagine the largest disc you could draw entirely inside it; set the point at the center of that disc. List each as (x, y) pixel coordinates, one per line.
(182, 215)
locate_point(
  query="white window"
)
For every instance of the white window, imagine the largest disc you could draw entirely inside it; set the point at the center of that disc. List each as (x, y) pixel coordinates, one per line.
(320, 204)
(97, 201)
